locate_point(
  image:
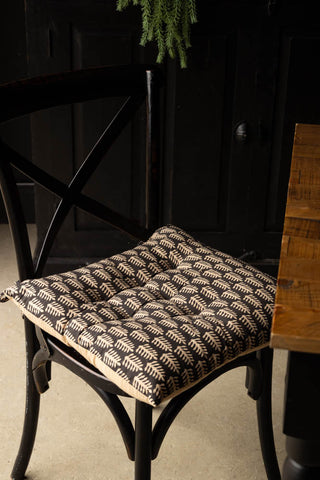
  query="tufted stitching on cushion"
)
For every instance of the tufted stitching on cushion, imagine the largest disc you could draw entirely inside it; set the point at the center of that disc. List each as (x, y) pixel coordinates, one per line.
(159, 317)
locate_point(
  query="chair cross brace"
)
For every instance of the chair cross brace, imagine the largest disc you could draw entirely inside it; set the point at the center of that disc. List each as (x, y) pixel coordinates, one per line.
(71, 194)
(85, 203)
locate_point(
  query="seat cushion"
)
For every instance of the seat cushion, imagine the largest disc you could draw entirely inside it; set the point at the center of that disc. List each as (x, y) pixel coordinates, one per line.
(158, 318)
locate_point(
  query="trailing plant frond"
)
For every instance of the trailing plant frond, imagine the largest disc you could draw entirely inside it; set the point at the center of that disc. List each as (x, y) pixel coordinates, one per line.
(167, 22)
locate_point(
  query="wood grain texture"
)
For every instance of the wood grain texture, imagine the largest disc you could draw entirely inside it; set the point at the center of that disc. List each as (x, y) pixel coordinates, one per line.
(296, 320)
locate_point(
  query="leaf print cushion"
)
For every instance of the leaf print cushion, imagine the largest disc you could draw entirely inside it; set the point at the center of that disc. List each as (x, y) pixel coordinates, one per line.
(158, 318)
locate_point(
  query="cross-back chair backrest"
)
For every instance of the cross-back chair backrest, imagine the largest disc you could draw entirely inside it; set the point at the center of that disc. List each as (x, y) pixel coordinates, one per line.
(138, 84)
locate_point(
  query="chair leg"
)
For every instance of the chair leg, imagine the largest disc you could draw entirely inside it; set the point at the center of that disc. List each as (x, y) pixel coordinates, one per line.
(143, 441)
(31, 412)
(264, 413)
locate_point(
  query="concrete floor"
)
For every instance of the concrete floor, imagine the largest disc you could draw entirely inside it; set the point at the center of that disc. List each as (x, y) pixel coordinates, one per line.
(214, 437)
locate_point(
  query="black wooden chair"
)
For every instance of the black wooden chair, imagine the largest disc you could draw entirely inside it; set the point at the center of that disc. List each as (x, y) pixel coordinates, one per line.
(159, 322)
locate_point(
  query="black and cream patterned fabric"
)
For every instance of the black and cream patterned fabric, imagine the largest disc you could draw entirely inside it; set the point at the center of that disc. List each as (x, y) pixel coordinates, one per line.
(158, 318)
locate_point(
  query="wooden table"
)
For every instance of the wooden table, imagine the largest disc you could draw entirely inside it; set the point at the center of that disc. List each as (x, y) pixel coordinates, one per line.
(296, 322)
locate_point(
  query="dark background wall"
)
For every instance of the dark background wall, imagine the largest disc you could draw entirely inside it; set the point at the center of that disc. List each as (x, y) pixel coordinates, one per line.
(253, 67)
(14, 65)
(13, 58)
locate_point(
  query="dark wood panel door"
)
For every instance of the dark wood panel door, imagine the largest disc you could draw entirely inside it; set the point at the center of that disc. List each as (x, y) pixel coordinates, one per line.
(228, 120)
(251, 77)
(221, 145)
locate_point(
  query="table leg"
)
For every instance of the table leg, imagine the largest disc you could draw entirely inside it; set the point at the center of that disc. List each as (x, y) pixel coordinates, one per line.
(302, 417)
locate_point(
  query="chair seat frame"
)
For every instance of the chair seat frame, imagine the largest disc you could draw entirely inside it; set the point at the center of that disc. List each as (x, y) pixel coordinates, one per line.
(140, 84)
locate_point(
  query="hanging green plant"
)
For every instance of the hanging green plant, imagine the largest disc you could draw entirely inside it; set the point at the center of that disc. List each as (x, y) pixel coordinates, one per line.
(168, 23)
